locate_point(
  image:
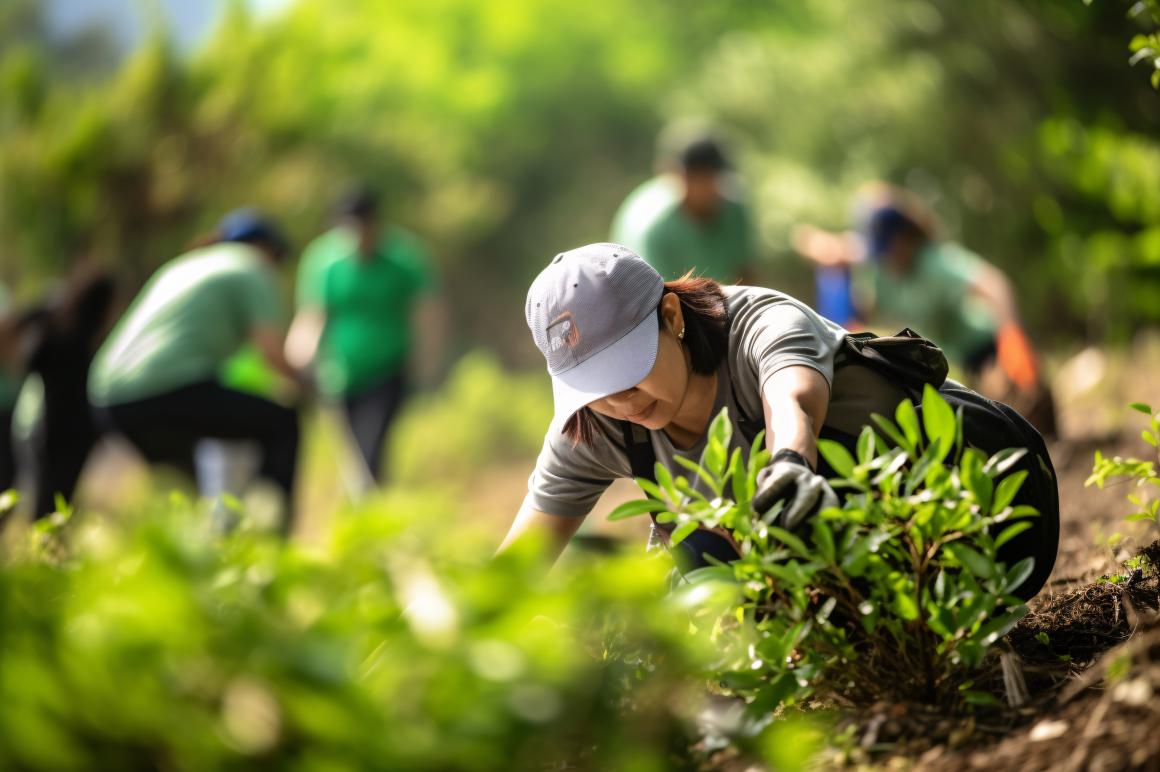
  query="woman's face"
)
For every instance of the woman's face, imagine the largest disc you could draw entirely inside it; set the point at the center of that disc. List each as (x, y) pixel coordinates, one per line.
(655, 401)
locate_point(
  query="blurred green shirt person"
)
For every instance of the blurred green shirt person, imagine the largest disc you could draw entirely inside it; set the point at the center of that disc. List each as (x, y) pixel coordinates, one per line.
(689, 219)
(158, 379)
(364, 294)
(190, 317)
(935, 297)
(368, 303)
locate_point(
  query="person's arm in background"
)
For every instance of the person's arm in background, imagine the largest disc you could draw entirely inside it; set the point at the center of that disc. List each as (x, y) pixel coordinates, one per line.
(270, 342)
(303, 339)
(826, 248)
(993, 286)
(552, 532)
(1014, 351)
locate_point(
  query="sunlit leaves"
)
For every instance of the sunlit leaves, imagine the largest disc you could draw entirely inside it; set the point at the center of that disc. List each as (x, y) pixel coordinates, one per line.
(911, 557)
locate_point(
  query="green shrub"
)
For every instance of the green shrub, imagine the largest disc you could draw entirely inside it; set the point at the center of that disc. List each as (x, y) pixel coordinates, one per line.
(1142, 473)
(483, 415)
(897, 594)
(147, 643)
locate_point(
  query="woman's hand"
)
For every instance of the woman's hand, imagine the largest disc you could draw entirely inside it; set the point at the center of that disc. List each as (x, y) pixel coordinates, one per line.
(790, 479)
(795, 400)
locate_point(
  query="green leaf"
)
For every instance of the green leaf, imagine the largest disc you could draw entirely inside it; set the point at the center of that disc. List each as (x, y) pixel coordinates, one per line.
(709, 479)
(939, 420)
(971, 560)
(770, 697)
(999, 463)
(958, 431)
(1137, 517)
(1148, 437)
(637, 507)
(892, 433)
(1006, 491)
(1018, 574)
(866, 446)
(908, 421)
(837, 457)
(1141, 407)
(1010, 532)
(995, 629)
(974, 480)
(650, 488)
(824, 540)
(975, 697)
(681, 531)
(789, 540)
(739, 480)
(711, 574)
(665, 481)
(740, 680)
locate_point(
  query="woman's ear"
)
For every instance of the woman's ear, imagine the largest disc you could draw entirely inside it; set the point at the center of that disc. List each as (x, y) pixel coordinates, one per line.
(672, 314)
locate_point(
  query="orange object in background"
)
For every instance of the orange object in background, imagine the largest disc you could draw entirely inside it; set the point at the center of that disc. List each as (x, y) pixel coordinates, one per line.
(1017, 357)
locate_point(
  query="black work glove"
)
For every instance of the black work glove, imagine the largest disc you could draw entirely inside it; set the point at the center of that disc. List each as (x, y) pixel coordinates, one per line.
(790, 479)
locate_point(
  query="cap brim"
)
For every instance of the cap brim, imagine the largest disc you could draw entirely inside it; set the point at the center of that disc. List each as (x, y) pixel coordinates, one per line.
(621, 366)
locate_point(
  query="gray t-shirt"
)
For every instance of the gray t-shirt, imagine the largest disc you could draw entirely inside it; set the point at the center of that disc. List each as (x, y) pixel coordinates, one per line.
(768, 331)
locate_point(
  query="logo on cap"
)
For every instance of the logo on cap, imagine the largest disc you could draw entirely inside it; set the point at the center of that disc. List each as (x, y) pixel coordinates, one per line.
(562, 331)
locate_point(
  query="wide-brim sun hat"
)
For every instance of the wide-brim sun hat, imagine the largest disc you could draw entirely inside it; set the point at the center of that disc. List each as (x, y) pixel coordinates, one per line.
(593, 315)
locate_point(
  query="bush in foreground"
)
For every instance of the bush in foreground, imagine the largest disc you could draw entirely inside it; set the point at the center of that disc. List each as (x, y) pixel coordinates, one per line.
(898, 594)
(148, 642)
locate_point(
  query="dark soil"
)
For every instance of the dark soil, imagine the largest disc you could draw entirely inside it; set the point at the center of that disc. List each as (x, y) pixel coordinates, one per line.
(1089, 651)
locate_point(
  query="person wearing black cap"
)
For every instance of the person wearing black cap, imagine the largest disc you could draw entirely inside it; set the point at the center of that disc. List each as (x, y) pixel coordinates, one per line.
(365, 292)
(155, 379)
(690, 217)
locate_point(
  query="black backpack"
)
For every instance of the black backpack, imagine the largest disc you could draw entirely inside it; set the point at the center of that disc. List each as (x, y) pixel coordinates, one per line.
(911, 361)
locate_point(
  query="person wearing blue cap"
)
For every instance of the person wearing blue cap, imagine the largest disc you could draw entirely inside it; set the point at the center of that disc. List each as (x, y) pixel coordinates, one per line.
(155, 380)
(641, 366)
(904, 271)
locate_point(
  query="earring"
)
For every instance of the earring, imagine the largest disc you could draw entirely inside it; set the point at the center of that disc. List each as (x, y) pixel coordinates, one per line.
(681, 334)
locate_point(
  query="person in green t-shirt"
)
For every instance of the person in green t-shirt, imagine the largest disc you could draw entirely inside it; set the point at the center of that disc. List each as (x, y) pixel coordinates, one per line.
(364, 291)
(906, 273)
(690, 218)
(156, 379)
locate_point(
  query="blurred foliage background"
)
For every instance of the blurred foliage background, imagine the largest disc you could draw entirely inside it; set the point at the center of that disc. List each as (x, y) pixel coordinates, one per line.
(504, 132)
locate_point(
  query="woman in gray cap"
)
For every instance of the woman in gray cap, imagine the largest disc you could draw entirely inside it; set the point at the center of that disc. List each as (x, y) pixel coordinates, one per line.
(640, 363)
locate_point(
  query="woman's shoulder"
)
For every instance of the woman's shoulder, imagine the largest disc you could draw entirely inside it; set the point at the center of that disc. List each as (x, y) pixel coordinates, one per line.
(747, 303)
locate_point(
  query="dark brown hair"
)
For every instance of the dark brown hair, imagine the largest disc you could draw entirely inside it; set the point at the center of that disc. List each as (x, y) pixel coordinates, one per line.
(706, 339)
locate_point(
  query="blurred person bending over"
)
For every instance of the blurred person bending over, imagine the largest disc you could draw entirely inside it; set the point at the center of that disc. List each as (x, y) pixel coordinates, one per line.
(365, 291)
(905, 272)
(156, 378)
(690, 217)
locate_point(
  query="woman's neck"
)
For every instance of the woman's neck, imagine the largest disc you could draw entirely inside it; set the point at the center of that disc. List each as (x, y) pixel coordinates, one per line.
(696, 410)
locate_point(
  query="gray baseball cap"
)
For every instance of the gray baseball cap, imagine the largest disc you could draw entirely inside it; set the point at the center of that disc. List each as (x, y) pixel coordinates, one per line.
(593, 314)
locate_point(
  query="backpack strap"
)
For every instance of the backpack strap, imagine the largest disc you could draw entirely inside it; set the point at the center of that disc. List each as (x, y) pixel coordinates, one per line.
(643, 460)
(641, 456)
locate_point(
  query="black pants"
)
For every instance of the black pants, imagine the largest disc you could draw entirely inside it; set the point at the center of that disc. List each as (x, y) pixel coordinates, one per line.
(370, 414)
(166, 429)
(61, 444)
(7, 452)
